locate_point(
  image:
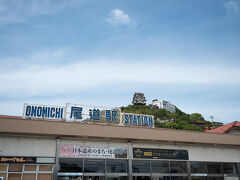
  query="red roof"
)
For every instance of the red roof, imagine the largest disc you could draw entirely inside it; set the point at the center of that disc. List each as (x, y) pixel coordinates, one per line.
(225, 128)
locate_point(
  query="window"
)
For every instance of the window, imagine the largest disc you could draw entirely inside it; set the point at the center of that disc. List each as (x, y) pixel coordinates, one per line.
(214, 168)
(3, 167)
(116, 166)
(15, 167)
(29, 176)
(45, 168)
(30, 168)
(3, 176)
(199, 178)
(94, 166)
(14, 176)
(215, 178)
(160, 166)
(117, 178)
(71, 165)
(178, 167)
(198, 167)
(161, 178)
(44, 176)
(140, 166)
(229, 168)
(179, 177)
(19, 171)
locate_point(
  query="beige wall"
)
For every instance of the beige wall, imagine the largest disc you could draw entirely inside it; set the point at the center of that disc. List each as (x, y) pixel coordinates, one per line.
(63, 129)
(235, 132)
(27, 146)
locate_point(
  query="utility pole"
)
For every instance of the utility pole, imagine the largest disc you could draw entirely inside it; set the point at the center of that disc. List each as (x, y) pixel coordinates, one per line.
(211, 117)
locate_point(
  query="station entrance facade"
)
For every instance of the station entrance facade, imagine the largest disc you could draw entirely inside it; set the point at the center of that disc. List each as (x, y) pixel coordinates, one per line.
(52, 150)
(119, 163)
(96, 169)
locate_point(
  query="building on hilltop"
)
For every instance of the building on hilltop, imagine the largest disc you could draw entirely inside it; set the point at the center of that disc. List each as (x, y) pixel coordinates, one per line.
(161, 104)
(199, 124)
(164, 121)
(139, 99)
(218, 124)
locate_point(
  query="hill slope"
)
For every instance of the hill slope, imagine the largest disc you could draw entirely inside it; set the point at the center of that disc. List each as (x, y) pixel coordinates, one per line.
(178, 120)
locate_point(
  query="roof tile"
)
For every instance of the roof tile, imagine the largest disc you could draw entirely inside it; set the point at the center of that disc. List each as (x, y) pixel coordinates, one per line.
(224, 128)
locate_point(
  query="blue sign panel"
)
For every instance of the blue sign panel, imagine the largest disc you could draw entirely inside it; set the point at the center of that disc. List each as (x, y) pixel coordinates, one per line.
(137, 120)
(43, 111)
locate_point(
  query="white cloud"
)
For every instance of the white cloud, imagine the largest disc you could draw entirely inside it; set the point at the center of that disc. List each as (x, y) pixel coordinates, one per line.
(118, 17)
(20, 10)
(36, 78)
(231, 6)
(37, 75)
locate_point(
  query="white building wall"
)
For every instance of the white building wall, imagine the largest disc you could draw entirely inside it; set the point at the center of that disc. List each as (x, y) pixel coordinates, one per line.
(45, 147)
(94, 143)
(216, 154)
(161, 104)
(27, 146)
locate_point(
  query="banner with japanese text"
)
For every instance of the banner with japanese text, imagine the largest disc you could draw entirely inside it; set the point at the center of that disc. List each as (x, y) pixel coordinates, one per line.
(76, 151)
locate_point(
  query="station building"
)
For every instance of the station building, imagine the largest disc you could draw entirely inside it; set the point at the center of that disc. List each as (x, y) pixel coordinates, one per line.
(33, 149)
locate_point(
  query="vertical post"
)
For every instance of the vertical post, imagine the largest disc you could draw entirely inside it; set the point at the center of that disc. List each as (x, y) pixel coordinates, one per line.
(238, 170)
(56, 167)
(130, 157)
(211, 117)
(105, 164)
(189, 170)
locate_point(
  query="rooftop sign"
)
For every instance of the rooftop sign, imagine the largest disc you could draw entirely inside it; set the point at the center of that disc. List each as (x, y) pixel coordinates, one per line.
(76, 112)
(82, 113)
(137, 119)
(43, 111)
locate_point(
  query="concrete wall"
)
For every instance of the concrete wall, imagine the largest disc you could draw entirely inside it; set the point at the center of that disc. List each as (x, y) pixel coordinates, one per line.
(27, 146)
(46, 147)
(235, 132)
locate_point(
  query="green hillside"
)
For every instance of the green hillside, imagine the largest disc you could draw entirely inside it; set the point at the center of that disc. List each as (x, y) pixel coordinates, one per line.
(180, 120)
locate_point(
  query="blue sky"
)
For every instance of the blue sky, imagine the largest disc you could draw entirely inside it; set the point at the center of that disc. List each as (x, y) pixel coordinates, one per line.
(99, 52)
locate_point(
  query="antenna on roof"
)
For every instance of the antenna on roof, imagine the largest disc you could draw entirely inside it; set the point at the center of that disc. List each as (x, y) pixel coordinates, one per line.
(211, 117)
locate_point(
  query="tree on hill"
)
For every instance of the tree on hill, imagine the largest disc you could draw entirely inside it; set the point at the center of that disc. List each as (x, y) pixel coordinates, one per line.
(182, 120)
(197, 117)
(192, 127)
